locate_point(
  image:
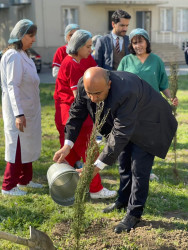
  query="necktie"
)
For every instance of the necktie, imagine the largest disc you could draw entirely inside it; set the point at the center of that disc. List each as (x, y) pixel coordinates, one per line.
(117, 45)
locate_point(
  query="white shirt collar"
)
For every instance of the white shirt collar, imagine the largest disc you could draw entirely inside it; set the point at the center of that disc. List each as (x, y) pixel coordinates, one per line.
(115, 36)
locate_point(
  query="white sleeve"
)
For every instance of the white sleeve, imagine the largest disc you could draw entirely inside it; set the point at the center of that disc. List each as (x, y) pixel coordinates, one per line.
(68, 142)
(100, 164)
(14, 72)
(55, 71)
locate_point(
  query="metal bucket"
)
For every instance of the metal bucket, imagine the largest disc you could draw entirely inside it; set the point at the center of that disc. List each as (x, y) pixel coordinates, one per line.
(62, 181)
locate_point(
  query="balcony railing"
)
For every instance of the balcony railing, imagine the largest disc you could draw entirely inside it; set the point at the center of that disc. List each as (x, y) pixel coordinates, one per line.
(176, 38)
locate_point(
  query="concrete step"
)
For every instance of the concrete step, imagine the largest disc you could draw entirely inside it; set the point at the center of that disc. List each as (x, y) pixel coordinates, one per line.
(168, 52)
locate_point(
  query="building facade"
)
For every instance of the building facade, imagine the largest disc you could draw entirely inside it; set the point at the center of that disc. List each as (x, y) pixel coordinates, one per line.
(165, 20)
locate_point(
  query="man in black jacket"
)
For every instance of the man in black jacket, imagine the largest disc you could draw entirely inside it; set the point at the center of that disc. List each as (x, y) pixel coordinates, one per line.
(140, 123)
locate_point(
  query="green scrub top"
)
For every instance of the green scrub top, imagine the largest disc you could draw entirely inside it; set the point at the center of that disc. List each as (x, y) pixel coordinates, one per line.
(152, 70)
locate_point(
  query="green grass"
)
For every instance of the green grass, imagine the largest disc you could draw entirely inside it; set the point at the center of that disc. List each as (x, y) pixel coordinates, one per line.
(37, 209)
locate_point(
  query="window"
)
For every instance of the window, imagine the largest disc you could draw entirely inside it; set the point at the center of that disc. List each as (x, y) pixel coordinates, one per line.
(166, 20)
(143, 20)
(21, 13)
(182, 20)
(69, 15)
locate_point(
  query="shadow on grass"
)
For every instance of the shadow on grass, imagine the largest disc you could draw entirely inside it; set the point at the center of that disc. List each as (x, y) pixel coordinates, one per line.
(161, 201)
(182, 146)
(2, 166)
(165, 172)
(168, 226)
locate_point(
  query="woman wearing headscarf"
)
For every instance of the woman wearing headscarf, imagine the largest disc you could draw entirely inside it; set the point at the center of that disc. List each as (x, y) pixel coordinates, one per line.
(61, 53)
(148, 66)
(21, 109)
(71, 70)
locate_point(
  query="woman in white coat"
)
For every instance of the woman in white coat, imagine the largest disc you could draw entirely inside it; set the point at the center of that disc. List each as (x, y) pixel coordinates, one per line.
(21, 110)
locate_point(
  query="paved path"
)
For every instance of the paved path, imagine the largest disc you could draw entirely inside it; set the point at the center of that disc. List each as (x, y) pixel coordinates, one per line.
(46, 73)
(183, 70)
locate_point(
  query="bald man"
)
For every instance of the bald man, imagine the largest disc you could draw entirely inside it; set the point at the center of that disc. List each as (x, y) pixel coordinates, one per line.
(140, 124)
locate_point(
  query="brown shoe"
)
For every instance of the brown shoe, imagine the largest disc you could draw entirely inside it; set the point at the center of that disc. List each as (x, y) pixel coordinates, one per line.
(127, 224)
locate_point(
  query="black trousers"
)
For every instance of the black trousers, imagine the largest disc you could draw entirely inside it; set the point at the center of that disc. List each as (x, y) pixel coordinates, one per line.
(134, 168)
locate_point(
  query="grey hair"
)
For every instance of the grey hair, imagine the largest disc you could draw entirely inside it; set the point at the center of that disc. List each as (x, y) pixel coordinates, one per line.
(78, 40)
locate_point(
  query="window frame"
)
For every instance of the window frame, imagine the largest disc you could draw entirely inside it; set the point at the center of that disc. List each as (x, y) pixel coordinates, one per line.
(181, 19)
(64, 21)
(163, 19)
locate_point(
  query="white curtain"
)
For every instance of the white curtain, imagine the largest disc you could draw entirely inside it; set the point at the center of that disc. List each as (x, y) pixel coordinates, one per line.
(182, 20)
(166, 19)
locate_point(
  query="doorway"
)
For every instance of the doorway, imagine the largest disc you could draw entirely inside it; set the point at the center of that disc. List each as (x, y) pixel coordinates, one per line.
(109, 20)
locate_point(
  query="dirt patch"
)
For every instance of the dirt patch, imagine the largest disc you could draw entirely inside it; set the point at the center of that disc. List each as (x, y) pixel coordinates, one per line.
(150, 235)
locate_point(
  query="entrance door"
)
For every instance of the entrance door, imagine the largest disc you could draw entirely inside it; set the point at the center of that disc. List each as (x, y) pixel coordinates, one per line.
(143, 20)
(109, 20)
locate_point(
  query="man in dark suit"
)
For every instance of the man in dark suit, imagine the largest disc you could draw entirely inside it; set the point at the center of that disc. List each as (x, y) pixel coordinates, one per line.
(139, 123)
(107, 55)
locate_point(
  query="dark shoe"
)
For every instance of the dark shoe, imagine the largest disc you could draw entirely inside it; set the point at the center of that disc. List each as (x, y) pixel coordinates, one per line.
(116, 205)
(127, 224)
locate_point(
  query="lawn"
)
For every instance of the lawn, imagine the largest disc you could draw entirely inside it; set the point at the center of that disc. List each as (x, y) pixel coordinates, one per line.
(164, 223)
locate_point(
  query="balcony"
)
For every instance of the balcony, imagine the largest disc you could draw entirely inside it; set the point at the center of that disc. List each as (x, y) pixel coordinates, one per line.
(20, 2)
(131, 2)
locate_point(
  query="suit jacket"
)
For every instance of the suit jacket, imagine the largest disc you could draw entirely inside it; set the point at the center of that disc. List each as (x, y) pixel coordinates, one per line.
(104, 51)
(138, 114)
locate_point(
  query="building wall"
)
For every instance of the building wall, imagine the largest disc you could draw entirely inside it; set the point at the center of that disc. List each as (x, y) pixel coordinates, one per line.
(9, 17)
(47, 14)
(91, 17)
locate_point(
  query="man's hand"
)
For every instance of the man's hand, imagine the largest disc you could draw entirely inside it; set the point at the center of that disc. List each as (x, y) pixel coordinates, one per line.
(96, 171)
(60, 155)
(20, 123)
(79, 171)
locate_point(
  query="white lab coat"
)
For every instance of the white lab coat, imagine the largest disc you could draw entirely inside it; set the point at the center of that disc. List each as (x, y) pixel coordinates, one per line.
(20, 95)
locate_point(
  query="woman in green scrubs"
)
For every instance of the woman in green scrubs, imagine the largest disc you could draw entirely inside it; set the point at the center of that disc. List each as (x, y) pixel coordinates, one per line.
(146, 65)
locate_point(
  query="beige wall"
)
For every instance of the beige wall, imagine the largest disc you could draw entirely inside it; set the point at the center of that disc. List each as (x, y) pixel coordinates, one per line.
(49, 22)
(47, 14)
